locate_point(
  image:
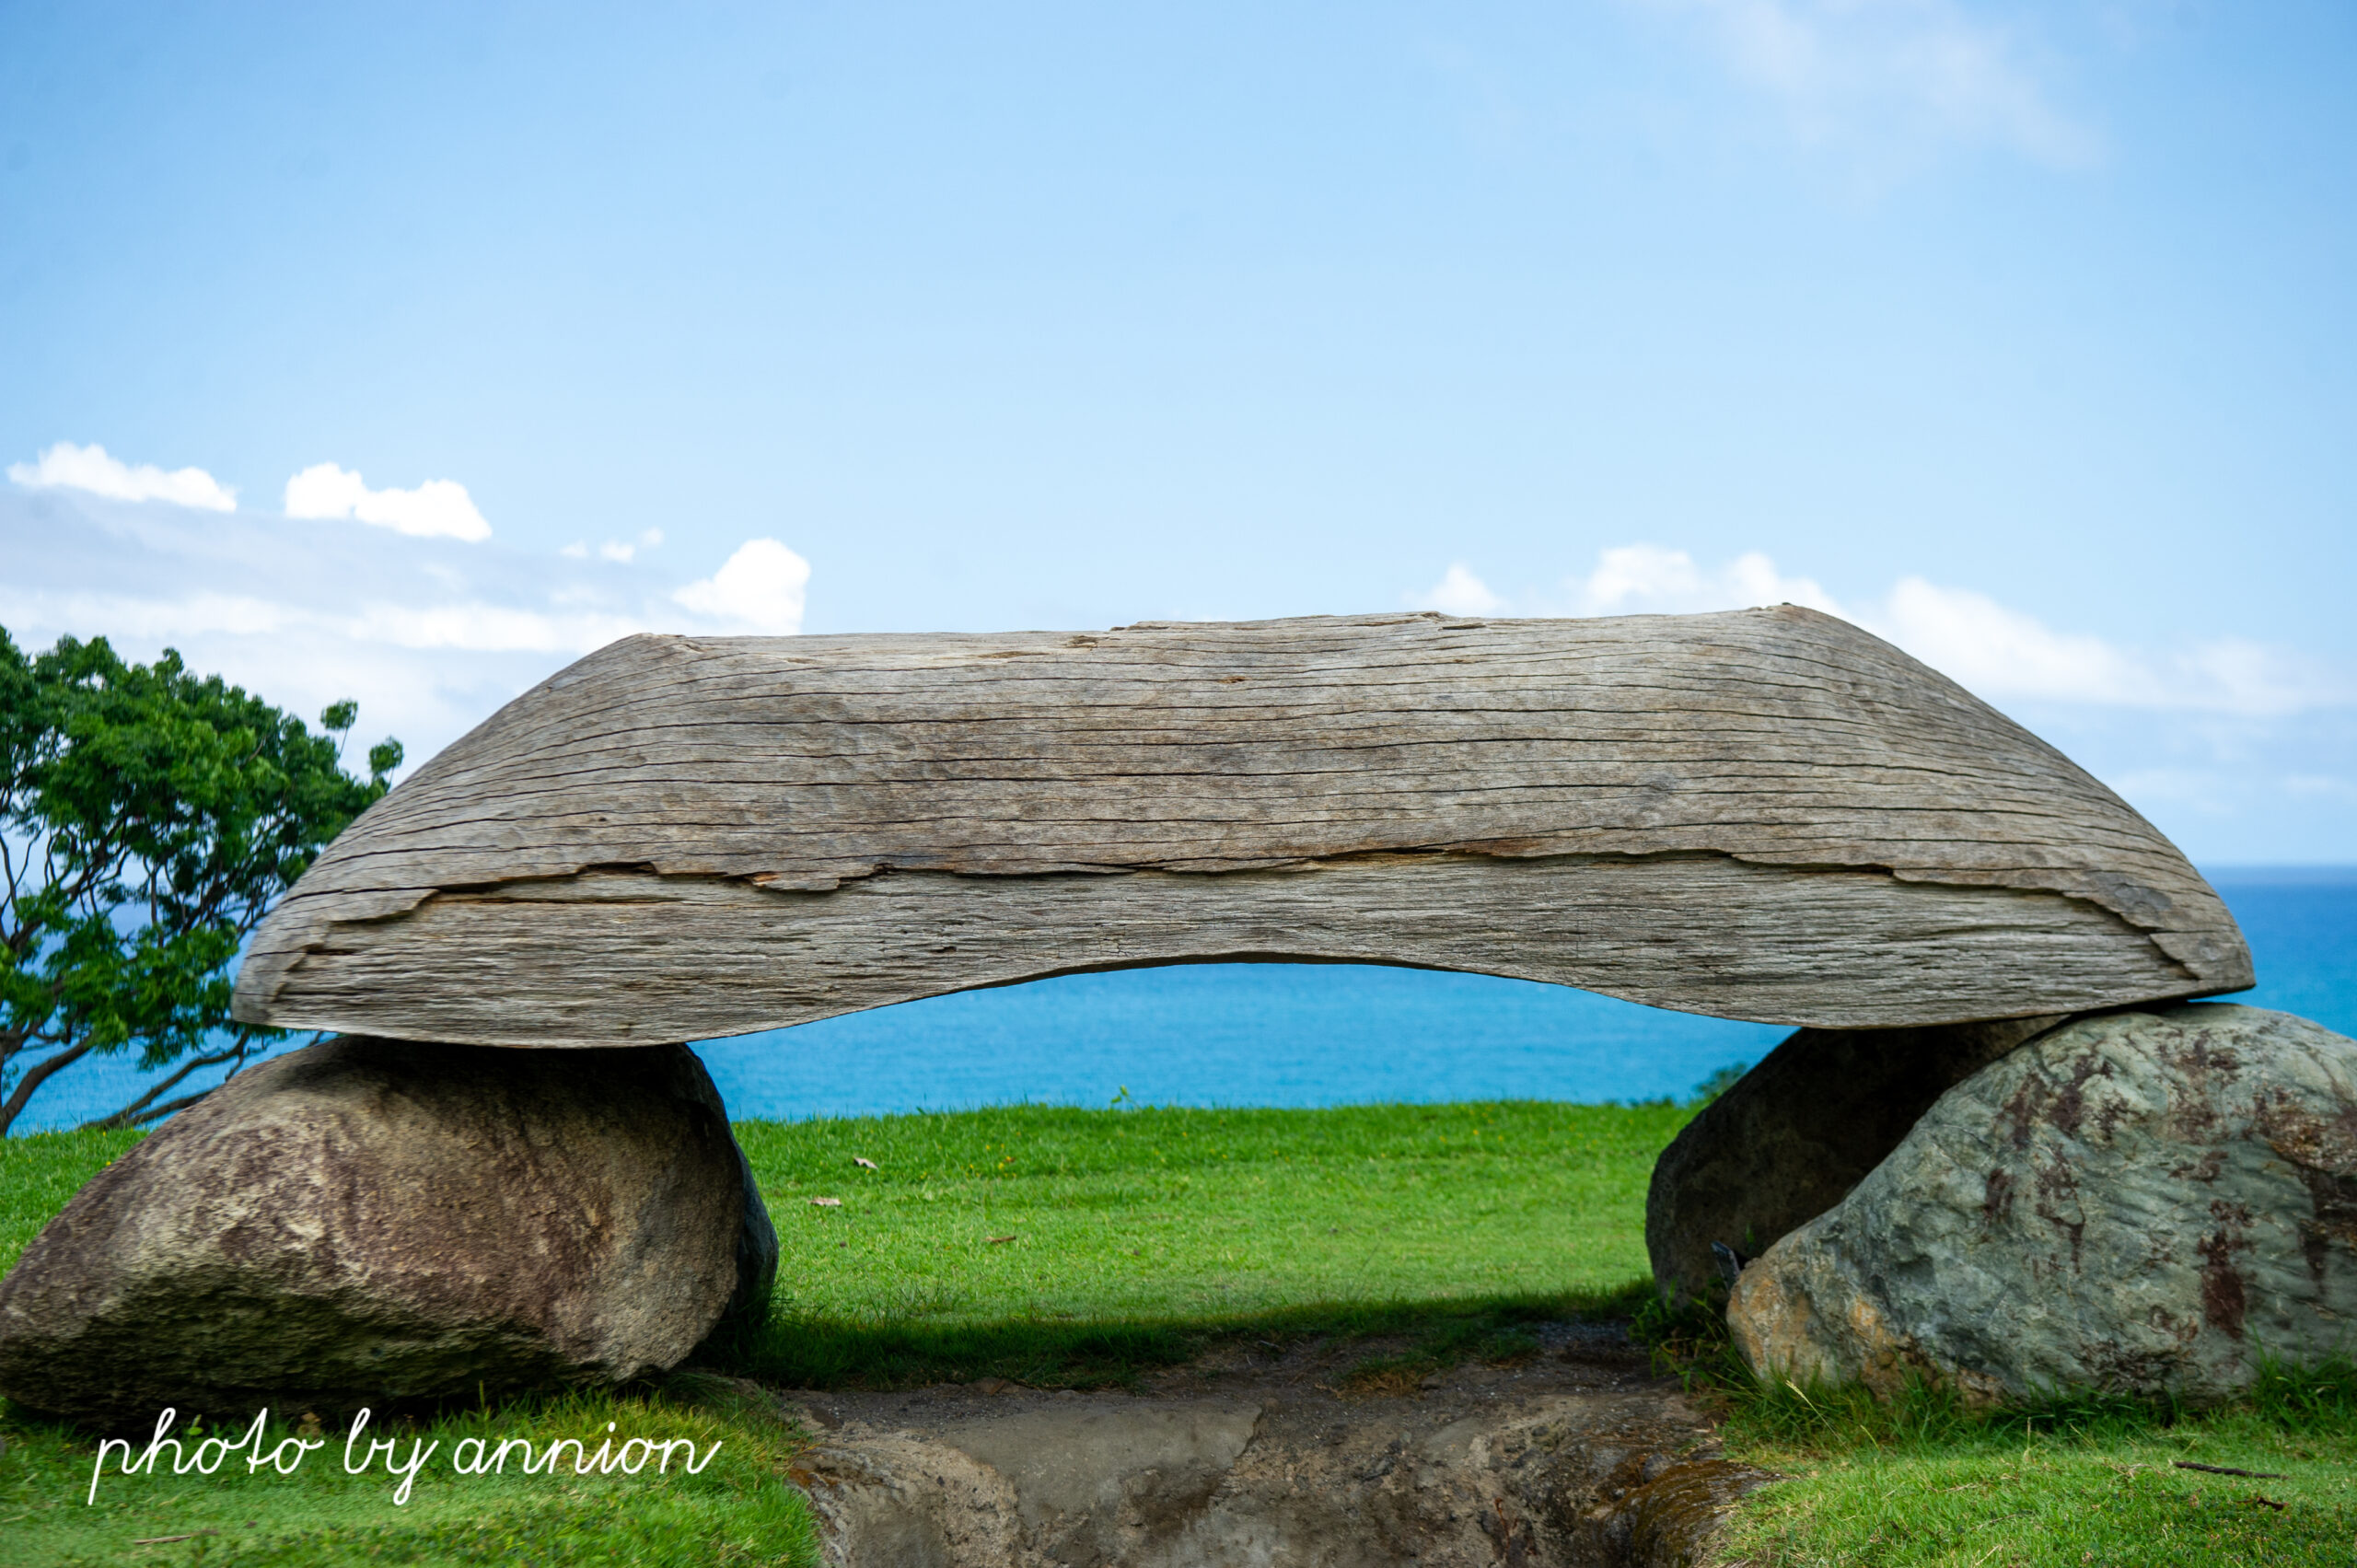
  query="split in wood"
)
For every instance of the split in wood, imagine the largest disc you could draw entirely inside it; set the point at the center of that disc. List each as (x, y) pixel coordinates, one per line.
(1767, 815)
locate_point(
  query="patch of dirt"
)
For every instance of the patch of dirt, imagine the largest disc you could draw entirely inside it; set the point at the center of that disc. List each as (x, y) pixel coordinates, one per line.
(1311, 1455)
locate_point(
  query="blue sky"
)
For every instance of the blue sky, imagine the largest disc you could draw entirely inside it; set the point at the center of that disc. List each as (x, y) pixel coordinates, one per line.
(2022, 334)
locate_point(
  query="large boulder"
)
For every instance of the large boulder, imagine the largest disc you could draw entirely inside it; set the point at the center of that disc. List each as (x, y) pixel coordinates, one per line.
(2148, 1203)
(1792, 1136)
(372, 1221)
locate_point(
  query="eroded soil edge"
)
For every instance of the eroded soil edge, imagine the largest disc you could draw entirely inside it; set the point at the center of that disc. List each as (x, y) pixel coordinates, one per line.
(1266, 1455)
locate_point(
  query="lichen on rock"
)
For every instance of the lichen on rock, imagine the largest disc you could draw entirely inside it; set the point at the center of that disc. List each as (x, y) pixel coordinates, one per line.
(2146, 1202)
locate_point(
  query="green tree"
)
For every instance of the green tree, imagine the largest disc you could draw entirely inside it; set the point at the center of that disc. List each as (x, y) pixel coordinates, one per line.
(148, 819)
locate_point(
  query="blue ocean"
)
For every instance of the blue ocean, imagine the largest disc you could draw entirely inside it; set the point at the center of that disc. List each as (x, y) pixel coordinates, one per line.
(1322, 1034)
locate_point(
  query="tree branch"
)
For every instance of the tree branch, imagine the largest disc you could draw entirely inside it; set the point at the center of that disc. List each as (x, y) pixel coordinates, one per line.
(158, 1114)
(35, 1076)
(136, 1112)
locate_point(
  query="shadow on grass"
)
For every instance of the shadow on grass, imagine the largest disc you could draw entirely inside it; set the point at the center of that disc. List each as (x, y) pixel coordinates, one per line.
(1418, 1337)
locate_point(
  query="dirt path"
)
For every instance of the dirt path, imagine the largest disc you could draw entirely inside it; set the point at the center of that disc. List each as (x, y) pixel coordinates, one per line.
(1252, 1457)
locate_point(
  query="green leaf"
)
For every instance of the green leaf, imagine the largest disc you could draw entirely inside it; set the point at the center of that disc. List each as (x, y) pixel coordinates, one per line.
(151, 816)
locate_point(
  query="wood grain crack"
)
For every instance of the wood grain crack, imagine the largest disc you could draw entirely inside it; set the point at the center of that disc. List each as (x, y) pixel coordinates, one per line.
(1764, 814)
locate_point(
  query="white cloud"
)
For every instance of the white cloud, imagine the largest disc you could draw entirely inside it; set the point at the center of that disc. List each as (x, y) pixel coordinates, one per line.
(477, 627)
(1647, 579)
(2002, 653)
(1880, 76)
(615, 549)
(440, 508)
(89, 467)
(1458, 592)
(469, 625)
(2251, 678)
(429, 634)
(1974, 640)
(759, 588)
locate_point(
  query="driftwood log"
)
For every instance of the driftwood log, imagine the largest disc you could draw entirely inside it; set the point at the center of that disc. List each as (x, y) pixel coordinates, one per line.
(1767, 815)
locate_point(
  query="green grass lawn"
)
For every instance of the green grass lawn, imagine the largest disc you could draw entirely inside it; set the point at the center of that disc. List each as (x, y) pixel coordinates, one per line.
(1060, 1246)
(1054, 1245)
(2117, 1501)
(38, 1172)
(1927, 1483)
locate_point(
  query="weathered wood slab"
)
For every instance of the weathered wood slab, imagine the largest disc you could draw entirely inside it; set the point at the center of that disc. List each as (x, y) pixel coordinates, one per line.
(1765, 814)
